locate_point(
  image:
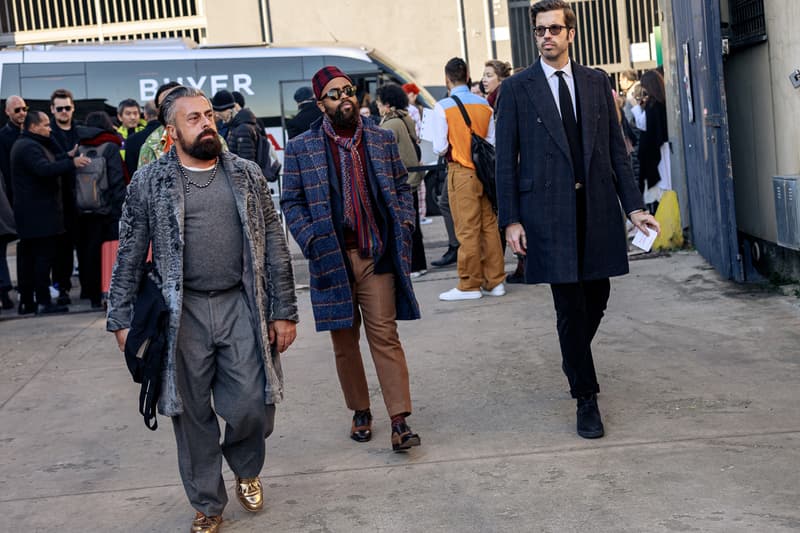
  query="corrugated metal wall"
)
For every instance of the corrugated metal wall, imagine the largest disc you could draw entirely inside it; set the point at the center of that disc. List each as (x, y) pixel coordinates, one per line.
(606, 29)
(45, 21)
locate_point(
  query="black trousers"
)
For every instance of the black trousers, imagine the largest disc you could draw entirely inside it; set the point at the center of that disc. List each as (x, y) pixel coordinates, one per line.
(579, 310)
(92, 231)
(64, 260)
(418, 261)
(35, 261)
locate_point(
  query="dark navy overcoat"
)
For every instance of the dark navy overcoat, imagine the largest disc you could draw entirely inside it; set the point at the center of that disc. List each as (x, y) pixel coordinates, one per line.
(536, 185)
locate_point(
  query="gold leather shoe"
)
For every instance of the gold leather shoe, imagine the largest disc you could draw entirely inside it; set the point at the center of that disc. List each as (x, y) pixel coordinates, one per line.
(206, 524)
(250, 493)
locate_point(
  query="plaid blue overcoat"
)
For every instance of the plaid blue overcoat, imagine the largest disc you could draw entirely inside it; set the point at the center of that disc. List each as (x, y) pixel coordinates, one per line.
(306, 204)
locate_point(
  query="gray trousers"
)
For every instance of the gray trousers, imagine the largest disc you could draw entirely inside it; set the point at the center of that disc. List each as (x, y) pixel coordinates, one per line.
(218, 354)
(447, 216)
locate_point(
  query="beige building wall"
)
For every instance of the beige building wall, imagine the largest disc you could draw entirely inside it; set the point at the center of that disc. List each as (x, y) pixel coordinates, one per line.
(420, 36)
(234, 22)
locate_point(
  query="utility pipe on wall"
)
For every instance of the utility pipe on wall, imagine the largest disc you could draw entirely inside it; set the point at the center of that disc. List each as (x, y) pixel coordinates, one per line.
(462, 30)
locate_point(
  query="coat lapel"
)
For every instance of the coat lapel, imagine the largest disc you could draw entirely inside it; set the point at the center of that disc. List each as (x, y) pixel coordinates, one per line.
(587, 103)
(315, 146)
(542, 98)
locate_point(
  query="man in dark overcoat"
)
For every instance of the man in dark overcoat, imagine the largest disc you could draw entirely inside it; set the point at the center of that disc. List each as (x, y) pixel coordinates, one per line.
(562, 173)
(38, 171)
(349, 207)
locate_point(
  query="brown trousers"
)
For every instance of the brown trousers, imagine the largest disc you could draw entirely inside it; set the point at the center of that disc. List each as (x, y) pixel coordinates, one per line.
(374, 303)
(480, 254)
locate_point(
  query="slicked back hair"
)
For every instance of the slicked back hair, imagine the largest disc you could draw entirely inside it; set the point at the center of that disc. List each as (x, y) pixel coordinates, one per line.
(542, 6)
(166, 112)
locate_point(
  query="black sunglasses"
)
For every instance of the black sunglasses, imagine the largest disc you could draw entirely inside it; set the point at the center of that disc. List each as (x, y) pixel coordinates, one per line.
(18, 109)
(335, 94)
(61, 108)
(555, 29)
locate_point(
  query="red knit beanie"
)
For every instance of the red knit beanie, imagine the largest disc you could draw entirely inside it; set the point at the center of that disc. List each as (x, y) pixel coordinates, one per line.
(324, 76)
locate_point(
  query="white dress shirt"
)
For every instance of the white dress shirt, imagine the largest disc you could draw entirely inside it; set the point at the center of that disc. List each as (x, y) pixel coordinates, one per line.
(552, 80)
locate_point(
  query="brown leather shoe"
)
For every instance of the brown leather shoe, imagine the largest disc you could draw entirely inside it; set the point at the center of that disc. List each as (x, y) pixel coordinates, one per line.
(403, 438)
(206, 524)
(250, 493)
(361, 430)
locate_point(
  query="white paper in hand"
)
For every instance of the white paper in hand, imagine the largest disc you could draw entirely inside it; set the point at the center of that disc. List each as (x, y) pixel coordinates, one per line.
(645, 242)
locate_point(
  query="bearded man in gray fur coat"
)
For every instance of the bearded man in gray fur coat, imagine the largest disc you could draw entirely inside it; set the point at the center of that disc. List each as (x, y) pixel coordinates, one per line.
(225, 273)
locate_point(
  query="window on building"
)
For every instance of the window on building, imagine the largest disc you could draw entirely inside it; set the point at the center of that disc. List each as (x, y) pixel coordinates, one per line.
(748, 26)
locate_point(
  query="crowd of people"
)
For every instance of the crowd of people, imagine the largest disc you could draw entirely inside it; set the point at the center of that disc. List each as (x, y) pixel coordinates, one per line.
(199, 211)
(64, 182)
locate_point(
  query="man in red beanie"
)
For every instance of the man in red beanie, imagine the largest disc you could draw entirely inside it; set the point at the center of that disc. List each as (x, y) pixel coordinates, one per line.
(348, 206)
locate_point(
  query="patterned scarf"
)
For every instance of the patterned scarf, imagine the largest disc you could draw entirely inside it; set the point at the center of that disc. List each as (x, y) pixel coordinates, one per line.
(358, 215)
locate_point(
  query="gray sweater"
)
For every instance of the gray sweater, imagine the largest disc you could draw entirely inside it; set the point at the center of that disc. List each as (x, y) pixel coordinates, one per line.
(212, 253)
(154, 211)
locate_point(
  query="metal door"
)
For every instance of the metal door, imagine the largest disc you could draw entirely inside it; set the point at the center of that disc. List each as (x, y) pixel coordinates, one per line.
(704, 121)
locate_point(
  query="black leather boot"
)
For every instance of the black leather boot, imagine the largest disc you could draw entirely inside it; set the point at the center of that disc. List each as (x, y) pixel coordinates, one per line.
(449, 257)
(590, 425)
(5, 299)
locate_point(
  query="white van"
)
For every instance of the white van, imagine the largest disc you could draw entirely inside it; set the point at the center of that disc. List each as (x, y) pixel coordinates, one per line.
(102, 75)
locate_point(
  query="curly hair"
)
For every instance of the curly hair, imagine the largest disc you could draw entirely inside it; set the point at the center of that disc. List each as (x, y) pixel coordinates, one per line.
(393, 95)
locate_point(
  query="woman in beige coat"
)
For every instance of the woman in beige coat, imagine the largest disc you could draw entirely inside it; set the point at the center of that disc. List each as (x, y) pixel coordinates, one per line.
(392, 104)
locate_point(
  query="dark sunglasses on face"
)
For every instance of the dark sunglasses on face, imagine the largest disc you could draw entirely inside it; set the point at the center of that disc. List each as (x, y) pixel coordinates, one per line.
(555, 29)
(18, 109)
(335, 94)
(61, 108)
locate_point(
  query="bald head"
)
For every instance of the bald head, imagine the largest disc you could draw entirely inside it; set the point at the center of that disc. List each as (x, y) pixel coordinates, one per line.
(16, 110)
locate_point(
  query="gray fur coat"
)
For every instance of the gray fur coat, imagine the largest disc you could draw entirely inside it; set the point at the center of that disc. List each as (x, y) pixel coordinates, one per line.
(154, 212)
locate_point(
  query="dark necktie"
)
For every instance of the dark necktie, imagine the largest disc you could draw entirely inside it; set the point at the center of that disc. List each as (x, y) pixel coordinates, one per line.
(570, 127)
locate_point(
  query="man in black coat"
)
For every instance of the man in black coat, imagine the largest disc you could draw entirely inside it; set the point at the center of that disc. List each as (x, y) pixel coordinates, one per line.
(307, 112)
(65, 136)
(37, 175)
(133, 145)
(243, 134)
(16, 110)
(562, 173)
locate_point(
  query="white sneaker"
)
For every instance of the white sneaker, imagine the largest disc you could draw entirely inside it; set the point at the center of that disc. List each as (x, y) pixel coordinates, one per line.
(424, 221)
(418, 273)
(456, 294)
(499, 290)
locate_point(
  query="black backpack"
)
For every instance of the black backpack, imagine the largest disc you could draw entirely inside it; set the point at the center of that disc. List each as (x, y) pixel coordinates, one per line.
(146, 345)
(483, 157)
(92, 192)
(271, 169)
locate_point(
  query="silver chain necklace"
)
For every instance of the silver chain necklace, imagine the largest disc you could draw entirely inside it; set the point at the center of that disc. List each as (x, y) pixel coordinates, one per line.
(188, 181)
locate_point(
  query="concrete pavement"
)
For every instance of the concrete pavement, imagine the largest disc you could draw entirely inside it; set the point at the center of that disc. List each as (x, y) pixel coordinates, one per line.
(699, 382)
